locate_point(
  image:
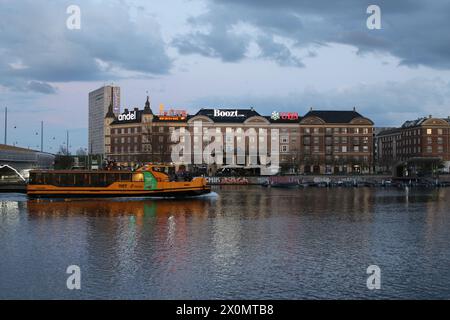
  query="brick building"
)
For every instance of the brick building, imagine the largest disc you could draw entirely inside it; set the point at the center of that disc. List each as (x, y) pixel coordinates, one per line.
(416, 140)
(321, 142)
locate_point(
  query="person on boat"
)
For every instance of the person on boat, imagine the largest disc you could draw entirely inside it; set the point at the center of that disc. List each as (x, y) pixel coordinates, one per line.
(183, 175)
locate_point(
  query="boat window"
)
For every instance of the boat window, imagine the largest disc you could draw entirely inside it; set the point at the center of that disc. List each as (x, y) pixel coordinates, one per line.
(38, 178)
(138, 177)
(95, 180)
(48, 179)
(111, 178)
(125, 177)
(80, 179)
(62, 179)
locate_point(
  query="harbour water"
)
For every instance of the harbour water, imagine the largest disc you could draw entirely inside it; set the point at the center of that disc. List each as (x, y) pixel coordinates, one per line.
(242, 242)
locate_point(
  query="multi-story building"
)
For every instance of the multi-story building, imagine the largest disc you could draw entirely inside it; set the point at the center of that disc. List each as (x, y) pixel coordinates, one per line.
(99, 101)
(415, 141)
(320, 142)
(138, 136)
(336, 142)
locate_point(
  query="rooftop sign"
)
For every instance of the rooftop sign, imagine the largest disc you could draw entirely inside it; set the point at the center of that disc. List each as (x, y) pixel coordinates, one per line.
(284, 115)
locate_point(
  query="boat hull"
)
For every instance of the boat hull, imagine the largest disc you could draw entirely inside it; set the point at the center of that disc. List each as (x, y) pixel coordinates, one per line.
(169, 193)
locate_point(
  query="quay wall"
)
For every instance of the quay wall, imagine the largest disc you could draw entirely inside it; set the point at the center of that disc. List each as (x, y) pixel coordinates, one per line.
(259, 180)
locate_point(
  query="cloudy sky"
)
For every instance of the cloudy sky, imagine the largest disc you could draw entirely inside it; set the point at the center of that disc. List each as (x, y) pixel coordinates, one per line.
(279, 55)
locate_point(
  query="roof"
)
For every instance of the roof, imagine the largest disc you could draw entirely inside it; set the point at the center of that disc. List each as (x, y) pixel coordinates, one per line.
(227, 115)
(332, 116)
(413, 123)
(5, 147)
(388, 131)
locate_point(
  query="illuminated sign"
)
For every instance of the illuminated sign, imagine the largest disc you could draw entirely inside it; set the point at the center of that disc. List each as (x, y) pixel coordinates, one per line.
(171, 114)
(128, 116)
(171, 118)
(284, 115)
(227, 113)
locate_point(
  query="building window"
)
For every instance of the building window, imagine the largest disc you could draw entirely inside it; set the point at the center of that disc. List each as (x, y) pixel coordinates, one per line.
(356, 148)
(429, 131)
(328, 131)
(440, 149)
(429, 149)
(429, 140)
(316, 149)
(366, 130)
(344, 130)
(316, 140)
(284, 148)
(316, 131)
(344, 148)
(284, 139)
(356, 130)
(307, 130)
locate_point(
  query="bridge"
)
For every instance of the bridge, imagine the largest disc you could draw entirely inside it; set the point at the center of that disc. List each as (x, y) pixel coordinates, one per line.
(16, 162)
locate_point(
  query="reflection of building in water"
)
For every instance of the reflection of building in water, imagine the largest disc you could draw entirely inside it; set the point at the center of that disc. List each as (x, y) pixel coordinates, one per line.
(10, 212)
(132, 235)
(141, 209)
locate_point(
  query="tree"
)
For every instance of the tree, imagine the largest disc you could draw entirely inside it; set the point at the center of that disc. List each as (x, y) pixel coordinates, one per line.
(81, 152)
(62, 150)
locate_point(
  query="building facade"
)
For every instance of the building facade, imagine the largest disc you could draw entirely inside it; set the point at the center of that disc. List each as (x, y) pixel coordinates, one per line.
(415, 141)
(321, 142)
(99, 101)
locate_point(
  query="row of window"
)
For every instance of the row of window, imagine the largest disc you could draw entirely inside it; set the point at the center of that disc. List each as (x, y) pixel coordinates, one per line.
(316, 130)
(413, 133)
(329, 149)
(81, 179)
(342, 130)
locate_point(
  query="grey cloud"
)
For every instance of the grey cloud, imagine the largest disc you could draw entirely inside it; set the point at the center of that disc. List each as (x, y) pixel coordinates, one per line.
(415, 31)
(388, 104)
(278, 52)
(41, 87)
(37, 48)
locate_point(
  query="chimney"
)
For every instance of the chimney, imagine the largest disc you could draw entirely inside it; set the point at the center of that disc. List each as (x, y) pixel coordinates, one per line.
(430, 116)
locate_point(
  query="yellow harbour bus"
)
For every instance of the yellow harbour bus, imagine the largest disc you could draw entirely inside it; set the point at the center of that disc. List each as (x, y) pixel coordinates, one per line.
(148, 181)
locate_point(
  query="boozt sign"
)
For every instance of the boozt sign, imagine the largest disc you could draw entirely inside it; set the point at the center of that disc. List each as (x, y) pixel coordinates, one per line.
(228, 114)
(127, 116)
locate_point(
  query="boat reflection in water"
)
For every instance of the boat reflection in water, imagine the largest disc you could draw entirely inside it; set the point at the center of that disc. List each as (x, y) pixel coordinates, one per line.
(120, 207)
